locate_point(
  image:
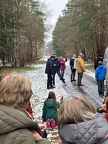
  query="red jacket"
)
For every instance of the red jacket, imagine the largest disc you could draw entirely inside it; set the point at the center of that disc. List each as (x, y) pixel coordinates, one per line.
(63, 66)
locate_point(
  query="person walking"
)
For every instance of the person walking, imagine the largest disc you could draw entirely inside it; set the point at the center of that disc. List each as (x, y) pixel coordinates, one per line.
(16, 124)
(49, 70)
(57, 65)
(50, 107)
(80, 67)
(73, 68)
(100, 75)
(62, 68)
(78, 122)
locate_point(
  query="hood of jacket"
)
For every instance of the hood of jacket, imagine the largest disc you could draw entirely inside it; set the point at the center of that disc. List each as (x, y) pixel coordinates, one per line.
(12, 119)
(100, 72)
(49, 103)
(88, 132)
(100, 66)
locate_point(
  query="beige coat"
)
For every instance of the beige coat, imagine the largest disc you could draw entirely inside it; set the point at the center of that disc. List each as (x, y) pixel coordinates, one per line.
(80, 65)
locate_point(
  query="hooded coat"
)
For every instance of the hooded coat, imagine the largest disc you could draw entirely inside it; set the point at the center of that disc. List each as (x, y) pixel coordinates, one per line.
(100, 73)
(49, 111)
(88, 132)
(14, 127)
(49, 67)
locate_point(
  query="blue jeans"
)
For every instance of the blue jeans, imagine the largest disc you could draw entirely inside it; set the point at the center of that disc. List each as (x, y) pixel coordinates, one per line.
(58, 73)
(62, 73)
(101, 87)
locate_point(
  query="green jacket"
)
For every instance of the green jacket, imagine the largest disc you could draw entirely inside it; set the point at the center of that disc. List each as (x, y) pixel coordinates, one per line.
(49, 111)
(14, 127)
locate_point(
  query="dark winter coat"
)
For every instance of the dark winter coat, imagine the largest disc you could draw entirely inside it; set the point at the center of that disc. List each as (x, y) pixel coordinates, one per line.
(14, 127)
(100, 73)
(49, 67)
(88, 132)
(72, 63)
(97, 59)
(58, 64)
(49, 111)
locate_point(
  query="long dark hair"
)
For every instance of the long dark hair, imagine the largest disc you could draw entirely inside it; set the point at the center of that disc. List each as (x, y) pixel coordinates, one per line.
(52, 96)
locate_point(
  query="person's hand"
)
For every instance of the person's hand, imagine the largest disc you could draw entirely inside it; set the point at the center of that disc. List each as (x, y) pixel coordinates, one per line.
(103, 107)
(54, 64)
(43, 127)
(43, 120)
(36, 135)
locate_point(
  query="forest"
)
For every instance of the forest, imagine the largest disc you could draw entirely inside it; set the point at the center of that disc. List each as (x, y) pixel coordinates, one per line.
(22, 31)
(83, 27)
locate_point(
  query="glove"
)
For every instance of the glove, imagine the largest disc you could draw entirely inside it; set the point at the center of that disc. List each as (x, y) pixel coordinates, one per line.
(61, 100)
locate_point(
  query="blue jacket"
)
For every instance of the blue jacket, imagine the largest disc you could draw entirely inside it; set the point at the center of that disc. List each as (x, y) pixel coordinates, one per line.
(58, 64)
(100, 73)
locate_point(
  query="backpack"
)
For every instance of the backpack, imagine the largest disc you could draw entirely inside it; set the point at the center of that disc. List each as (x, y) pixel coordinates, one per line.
(51, 123)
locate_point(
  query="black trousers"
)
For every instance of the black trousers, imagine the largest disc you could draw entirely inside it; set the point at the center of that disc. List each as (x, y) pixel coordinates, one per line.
(73, 71)
(49, 81)
(80, 75)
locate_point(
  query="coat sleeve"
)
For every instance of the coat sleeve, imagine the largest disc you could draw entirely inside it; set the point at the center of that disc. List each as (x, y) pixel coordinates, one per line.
(58, 105)
(82, 65)
(26, 137)
(70, 62)
(96, 73)
(51, 67)
(58, 64)
(44, 112)
(43, 141)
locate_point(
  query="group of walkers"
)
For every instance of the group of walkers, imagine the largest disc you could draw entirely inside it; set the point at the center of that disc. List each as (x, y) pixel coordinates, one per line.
(75, 117)
(57, 65)
(53, 66)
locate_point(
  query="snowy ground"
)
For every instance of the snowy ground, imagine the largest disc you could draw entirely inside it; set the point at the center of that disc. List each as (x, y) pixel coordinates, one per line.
(40, 93)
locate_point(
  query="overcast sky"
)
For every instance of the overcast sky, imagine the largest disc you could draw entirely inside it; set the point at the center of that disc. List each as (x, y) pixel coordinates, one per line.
(56, 6)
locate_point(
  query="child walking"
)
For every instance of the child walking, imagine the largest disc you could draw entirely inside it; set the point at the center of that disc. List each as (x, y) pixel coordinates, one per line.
(100, 75)
(50, 108)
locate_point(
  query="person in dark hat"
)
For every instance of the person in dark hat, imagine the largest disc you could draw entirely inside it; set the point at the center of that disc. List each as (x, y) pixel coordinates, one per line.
(100, 75)
(96, 60)
(49, 70)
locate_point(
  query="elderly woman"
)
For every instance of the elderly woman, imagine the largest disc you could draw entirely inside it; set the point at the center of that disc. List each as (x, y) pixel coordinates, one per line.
(78, 123)
(16, 125)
